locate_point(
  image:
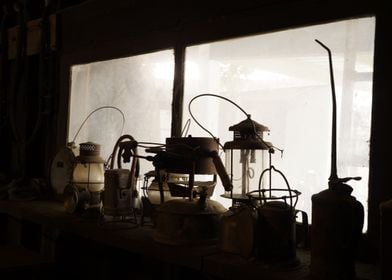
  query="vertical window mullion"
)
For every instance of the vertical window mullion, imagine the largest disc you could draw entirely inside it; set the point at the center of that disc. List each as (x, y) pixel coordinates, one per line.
(178, 90)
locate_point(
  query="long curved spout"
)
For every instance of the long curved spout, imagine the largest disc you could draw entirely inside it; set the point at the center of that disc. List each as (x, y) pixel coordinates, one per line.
(333, 176)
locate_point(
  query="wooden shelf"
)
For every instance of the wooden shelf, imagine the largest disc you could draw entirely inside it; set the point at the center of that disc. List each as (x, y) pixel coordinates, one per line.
(138, 240)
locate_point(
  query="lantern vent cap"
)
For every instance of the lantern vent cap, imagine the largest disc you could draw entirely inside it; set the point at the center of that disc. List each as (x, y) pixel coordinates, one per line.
(89, 152)
(248, 134)
(249, 126)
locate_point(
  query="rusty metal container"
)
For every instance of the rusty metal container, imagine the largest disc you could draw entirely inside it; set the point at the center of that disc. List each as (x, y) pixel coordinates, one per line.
(188, 222)
(276, 234)
(189, 156)
(237, 231)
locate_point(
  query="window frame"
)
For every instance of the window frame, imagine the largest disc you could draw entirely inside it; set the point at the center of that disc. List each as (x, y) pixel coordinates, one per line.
(249, 19)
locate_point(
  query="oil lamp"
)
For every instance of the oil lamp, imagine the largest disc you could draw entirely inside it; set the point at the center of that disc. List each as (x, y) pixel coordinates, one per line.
(261, 221)
(244, 155)
(87, 182)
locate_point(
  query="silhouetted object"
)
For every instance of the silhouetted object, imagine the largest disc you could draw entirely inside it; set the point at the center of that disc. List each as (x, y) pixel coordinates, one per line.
(337, 218)
(188, 222)
(195, 218)
(386, 240)
(245, 155)
(61, 168)
(276, 232)
(120, 184)
(84, 192)
(260, 222)
(237, 231)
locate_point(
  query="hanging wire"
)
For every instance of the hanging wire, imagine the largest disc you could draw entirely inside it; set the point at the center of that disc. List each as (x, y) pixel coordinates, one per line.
(96, 110)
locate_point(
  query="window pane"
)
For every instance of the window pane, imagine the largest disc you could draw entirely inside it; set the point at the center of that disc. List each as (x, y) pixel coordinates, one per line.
(282, 80)
(140, 86)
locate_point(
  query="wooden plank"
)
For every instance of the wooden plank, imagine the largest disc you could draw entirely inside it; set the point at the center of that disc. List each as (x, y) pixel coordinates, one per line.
(19, 258)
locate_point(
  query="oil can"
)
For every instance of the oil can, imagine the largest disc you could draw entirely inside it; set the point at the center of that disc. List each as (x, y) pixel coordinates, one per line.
(337, 221)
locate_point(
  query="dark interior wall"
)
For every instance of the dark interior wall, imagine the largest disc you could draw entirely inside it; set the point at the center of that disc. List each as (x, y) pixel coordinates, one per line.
(379, 176)
(99, 30)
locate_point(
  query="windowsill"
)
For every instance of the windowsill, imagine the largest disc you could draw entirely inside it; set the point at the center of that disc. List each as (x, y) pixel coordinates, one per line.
(139, 241)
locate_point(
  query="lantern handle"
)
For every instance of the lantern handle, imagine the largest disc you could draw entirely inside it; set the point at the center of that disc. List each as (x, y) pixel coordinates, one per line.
(291, 191)
(98, 109)
(212, 95)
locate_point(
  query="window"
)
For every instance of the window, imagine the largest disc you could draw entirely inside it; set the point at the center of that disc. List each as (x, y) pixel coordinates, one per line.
(139, 86)
(282, 80)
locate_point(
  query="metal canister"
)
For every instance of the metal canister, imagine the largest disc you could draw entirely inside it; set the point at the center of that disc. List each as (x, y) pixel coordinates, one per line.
(188, 222)
(337, 220)
(117, 195)
(276, 232)
(237, 231)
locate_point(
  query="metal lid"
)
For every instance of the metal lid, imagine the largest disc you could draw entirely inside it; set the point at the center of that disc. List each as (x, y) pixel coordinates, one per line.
(248, 126)
(89, 152)
(254, 144)
(184, 154)
(248, 134)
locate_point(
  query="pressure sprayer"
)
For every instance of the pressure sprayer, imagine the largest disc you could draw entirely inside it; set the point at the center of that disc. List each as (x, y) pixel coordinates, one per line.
(337, 218)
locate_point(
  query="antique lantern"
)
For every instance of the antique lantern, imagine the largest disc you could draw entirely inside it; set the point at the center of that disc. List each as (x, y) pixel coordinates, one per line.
(84, 192)
(89, 171)
(245, 156)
